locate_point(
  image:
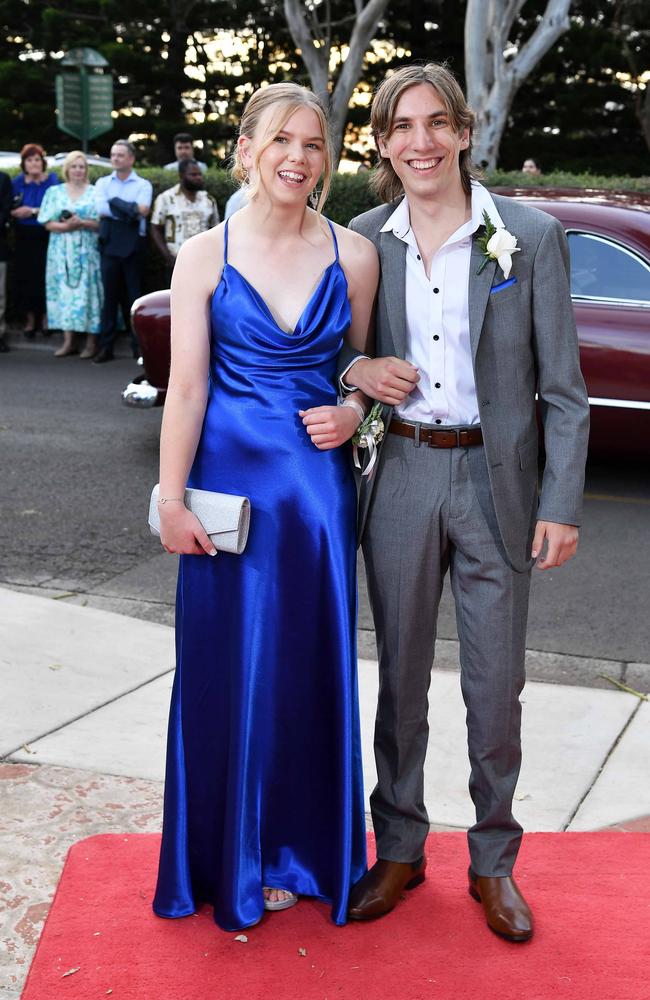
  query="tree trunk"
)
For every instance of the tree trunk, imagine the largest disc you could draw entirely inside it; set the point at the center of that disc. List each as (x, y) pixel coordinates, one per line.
(492, 82)
(643, 113)
(627, 22)
(175, 81)
(316, 58)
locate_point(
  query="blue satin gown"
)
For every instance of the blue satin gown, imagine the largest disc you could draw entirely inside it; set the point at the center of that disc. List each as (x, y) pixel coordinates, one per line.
(264, 781)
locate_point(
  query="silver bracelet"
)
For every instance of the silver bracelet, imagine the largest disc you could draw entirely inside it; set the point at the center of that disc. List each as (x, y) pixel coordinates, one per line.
(357, 407)
(171, 500)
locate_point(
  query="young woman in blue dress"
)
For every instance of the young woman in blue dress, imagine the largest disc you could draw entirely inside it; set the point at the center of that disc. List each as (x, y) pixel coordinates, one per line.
(263, 796)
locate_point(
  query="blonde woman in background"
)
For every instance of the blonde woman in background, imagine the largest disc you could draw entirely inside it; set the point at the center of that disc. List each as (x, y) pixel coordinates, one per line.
(264, 796)
(73, 277)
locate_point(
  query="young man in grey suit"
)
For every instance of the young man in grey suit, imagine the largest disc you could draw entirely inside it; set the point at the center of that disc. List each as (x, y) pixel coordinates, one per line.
(464, 342)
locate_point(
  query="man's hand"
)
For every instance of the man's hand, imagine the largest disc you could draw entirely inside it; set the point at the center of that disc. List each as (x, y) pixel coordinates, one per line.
(562, 542)
(389, 380)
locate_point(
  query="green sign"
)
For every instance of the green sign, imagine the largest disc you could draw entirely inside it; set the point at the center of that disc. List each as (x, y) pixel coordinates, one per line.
(84, 98)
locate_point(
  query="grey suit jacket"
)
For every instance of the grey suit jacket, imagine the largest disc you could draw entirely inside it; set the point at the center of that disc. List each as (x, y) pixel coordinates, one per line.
(524, 342)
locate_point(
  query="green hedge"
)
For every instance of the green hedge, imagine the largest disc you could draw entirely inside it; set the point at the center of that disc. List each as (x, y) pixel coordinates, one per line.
(563, 179)
(350, 194)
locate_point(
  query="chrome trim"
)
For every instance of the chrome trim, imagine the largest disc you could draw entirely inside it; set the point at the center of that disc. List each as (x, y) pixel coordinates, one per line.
(634, 254)
(621, 404)
(634, 303)
(140, 394)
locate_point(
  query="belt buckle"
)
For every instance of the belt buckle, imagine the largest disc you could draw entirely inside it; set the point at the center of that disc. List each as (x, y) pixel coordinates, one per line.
(443, 436)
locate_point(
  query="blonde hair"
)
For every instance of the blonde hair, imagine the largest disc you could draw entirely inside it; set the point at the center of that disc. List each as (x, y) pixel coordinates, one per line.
(69, 160)
(286, 98)
(384, 180)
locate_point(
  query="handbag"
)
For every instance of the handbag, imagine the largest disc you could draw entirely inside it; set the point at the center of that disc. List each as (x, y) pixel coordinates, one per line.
(224, 517)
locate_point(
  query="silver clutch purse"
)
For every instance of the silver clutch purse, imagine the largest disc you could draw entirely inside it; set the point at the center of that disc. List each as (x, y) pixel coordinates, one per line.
(225, 518)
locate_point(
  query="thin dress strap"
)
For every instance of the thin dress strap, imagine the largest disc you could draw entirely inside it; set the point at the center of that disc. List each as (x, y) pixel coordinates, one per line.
(225, 242)
(336, 245)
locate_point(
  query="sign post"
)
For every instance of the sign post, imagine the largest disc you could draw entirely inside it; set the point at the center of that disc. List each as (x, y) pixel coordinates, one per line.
(84, 95)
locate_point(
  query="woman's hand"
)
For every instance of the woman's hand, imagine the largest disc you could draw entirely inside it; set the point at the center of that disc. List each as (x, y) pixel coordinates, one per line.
(182, 532)
(329, 426)
(22, 212)
(74, 222)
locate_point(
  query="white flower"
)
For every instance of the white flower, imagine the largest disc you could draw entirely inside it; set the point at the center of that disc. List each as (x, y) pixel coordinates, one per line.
(368, 435)
(500, 247)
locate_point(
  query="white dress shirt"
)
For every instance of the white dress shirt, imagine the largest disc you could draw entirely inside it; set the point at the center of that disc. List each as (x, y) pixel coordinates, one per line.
(132, 188)
(437, 319)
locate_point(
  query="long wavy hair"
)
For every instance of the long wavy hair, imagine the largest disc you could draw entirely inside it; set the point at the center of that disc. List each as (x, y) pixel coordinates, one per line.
(384, 180)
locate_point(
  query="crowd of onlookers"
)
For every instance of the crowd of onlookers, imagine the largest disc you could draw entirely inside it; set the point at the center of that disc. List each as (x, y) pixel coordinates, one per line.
(79, 248)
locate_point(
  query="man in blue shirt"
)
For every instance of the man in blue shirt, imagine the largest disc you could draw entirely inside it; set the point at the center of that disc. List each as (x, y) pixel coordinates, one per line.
(123, 204)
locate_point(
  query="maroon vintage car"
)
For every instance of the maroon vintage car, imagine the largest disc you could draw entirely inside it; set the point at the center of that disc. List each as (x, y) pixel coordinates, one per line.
(609, 241)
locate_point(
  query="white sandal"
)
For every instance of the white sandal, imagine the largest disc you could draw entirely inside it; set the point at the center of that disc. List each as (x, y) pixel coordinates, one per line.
(279, 904)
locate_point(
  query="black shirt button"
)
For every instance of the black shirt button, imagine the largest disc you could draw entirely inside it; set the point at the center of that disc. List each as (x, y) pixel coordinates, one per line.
(438, 421)
(418, 257)
(437, 385)
(436, 337)
(436, 290)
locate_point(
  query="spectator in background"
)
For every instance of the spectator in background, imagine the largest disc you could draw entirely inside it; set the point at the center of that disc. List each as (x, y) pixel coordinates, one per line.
(183, 150)
(29, 189)
(73, 277)
(123, 204)
(6, 197)
(531, 166)
(181, 212)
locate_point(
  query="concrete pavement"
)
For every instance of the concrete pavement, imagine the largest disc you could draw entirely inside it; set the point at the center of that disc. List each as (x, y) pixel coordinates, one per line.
(84, 695)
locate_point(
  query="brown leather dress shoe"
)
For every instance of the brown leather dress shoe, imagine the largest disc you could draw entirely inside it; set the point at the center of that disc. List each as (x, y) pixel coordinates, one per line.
(380, 888)
(506, 911)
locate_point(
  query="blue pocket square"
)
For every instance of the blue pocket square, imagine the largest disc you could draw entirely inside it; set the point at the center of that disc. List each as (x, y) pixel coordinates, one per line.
(504, 284)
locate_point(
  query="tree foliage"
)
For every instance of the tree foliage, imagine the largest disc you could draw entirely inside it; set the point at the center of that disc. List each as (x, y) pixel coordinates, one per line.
(578, 110)
(175, 67)
(497, 62)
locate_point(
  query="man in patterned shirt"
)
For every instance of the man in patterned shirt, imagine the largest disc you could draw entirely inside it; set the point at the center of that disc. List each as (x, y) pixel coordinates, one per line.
(181, 212)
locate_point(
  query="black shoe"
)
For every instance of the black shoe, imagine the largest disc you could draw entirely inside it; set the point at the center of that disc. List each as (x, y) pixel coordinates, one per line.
(102, 356)
(4, 346)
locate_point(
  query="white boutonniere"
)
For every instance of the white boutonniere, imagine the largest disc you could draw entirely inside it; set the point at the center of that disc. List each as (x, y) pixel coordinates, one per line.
(497, 244)
(368, 435)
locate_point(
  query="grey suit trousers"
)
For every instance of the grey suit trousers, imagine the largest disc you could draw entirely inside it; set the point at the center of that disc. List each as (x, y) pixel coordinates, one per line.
(432, 511)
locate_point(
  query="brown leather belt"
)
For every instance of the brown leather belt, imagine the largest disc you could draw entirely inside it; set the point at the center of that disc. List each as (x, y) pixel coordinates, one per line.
(438, 438)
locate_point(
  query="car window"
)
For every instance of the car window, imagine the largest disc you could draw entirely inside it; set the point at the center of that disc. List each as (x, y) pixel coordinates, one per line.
(601, 269)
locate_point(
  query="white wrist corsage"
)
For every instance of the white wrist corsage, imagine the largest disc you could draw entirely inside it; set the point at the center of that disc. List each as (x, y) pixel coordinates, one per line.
(368, 435)
(497, 244)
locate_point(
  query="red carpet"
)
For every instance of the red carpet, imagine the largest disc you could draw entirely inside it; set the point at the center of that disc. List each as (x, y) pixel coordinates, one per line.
(589, 891)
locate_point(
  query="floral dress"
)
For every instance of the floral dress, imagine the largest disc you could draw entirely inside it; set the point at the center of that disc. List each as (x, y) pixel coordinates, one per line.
(73, 279)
